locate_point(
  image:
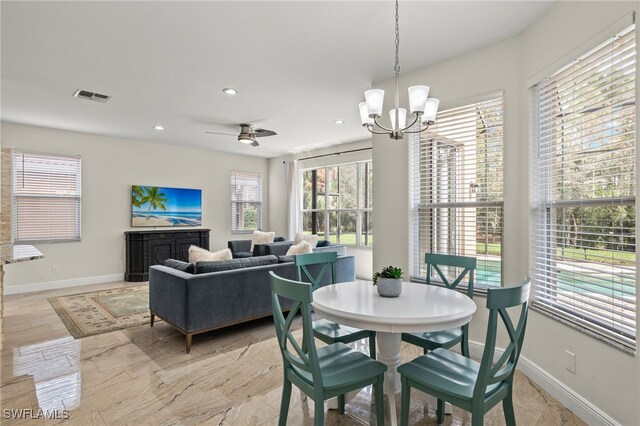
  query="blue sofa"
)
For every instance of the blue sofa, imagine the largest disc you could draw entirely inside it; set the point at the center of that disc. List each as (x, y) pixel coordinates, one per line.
(198, 302)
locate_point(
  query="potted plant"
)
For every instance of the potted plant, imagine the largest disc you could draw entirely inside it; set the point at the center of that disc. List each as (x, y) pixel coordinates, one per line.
(388, 281)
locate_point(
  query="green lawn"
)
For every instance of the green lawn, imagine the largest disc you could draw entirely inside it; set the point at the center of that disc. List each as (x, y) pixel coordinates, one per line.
(346, 239)
(572, 253)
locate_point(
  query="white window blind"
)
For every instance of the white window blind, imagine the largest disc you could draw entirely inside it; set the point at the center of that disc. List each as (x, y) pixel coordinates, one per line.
(584, 230)
(46, 197)
(246, 201)
(456, 181)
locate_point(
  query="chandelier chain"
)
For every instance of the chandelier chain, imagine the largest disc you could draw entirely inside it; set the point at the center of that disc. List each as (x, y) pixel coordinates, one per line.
(396, 68)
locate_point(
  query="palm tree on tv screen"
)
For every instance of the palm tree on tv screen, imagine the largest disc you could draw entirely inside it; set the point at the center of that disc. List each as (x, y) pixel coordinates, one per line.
(137, 195)
(155, 198)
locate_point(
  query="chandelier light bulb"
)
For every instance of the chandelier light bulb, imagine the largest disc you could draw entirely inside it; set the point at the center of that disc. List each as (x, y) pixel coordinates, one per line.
(430, 110)
(402, 118)
(418, 98)
(374, 99)
(364, 114)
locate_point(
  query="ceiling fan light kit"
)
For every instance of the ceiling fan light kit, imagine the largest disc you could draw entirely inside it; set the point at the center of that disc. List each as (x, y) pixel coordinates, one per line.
(421, 106)
(248, 134)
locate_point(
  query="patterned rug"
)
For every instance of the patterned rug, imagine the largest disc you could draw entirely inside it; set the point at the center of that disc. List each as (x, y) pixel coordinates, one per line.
(97, 312)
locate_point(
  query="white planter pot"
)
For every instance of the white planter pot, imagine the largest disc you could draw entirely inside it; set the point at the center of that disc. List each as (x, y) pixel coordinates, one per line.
(389, 287)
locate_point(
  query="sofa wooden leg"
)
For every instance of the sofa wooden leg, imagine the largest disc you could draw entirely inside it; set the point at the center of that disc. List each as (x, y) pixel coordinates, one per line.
(153, 317)
(188, 336)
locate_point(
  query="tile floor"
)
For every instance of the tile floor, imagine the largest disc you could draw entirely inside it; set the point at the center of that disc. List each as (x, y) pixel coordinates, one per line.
(142, 375)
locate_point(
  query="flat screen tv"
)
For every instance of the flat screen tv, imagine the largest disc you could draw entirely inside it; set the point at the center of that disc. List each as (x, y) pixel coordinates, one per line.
(159, 206)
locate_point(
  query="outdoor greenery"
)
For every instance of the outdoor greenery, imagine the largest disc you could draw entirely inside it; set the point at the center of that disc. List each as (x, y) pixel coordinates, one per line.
(337, 201)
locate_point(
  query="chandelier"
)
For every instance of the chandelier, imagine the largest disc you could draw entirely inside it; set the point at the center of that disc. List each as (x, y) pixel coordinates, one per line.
(420, 105)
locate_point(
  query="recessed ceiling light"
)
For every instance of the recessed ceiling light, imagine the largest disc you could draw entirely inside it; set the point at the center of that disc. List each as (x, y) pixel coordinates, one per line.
(338, 122)
(158, 128)
(230, 91)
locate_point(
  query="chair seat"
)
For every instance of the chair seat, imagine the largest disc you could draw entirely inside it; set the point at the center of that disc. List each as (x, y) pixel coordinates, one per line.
(445, 372)
(243, 254)
(342, 366)
(434, 340)
(331, 332)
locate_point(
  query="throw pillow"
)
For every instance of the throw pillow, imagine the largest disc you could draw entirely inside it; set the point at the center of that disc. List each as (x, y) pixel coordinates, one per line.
(180, 265)
(302, 247)
(227, 265)
(260, 237)
(197, 254)
(311, 238)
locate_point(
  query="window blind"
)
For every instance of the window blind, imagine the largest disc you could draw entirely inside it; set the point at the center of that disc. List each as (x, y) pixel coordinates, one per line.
(46, 197)
(246, 201)
(584, 236)
(456, 181)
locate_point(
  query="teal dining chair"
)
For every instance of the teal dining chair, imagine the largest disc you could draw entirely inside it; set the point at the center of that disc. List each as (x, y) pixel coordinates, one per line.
(429, 341)
(321, 373)
(471, 385)
(325, 330)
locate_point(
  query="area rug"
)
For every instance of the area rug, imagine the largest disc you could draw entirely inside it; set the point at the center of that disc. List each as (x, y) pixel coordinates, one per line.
(96, 312)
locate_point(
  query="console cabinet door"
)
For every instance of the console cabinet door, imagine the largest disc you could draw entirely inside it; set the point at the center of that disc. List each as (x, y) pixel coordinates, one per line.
(147, 248)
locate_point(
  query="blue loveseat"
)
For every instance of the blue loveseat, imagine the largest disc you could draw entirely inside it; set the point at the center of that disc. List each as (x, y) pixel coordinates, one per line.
(235, 291)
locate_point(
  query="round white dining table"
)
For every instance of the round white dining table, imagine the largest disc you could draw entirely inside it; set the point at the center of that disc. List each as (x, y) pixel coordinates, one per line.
(419, 307)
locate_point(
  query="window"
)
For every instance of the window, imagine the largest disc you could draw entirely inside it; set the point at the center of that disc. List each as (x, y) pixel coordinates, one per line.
(584, 244)
(246, 202)
(456, 189)
(337, 203)
(46, 197)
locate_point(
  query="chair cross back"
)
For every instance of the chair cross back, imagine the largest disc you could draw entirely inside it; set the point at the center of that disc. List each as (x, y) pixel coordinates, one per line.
(329, 259)
(498, 300)
(302, 357)
(468, 265)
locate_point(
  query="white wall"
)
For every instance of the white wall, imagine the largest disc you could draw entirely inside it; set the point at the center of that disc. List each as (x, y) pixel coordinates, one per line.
(109, 167)
(605, 376)
(278, 191)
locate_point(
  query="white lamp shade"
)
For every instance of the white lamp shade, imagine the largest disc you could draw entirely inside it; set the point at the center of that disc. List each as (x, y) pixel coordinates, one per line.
(402, 118)
(364, 114)
(374, 98)
(430, 110)
(418, 98)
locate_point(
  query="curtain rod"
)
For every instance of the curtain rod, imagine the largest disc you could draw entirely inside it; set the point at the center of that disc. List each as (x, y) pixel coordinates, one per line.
(334, 153)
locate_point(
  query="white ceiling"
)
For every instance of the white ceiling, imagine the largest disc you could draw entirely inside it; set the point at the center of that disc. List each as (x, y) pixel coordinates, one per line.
(297, 65)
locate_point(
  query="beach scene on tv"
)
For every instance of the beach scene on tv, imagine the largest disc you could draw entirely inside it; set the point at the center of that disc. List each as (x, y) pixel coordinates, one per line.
(158, 206)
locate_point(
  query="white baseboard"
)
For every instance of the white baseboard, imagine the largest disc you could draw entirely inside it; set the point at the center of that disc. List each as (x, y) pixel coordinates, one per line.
(53, 285)
(583, 408)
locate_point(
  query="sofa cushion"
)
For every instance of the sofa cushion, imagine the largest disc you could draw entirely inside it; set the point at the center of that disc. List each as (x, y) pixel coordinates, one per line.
(323, 243)
(197, 254)
(302, 247)
(285, 259)
(226, 265)
(260, 237)
(180, 265)
(311, 238)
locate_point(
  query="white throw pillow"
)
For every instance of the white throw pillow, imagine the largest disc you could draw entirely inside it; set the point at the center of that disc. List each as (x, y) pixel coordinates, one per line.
(260, 237)
(196, 254)
(303, 247)
(312, 239)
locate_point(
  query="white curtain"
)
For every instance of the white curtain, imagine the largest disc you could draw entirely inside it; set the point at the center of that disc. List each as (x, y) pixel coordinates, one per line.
(292, 179)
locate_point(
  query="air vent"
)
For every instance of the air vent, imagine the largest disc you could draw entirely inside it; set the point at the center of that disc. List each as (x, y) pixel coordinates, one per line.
(85, 94)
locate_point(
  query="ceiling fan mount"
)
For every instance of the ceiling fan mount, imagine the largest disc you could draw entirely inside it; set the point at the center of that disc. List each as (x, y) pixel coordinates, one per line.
(248, 134)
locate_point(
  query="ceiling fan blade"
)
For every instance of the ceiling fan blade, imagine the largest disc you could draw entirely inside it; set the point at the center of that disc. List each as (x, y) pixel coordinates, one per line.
(264, 132)
(255, 143)
(218, 133)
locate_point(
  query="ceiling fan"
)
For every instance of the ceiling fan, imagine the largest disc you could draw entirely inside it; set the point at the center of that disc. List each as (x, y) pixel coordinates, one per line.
(248, 134)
